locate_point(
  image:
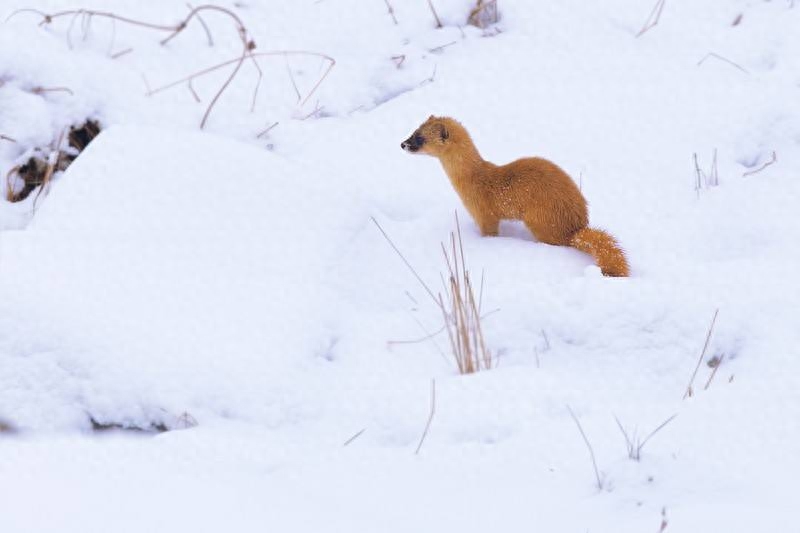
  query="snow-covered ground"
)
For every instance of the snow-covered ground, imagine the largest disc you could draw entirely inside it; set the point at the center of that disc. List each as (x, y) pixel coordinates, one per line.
(230, 286)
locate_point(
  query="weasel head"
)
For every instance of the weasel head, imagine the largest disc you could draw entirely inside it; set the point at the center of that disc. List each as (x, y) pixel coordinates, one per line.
(435, 137)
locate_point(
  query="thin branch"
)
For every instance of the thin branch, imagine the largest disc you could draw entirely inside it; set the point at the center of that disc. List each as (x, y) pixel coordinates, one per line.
(121, 53)
(427, 337)
(269, 129)
(589, 446)
(702, 354)
(205, 26)
(430, 417)
(258, 83)
(652, 433)
(714, 371)
(42, 90)
(213, 68)
(762, 167)
(354, 437)
(48, 18)
(391, 11)
(439, 48)
(221, 90)
(195, 12)
(435, 15)
(628, 441)
(726, 60)
(438, 301)
(291, 78)
(652, 20)
(7, 138)
(194, 93)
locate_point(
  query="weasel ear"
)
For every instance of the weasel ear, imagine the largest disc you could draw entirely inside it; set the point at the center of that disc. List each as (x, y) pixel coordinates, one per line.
(443, 133)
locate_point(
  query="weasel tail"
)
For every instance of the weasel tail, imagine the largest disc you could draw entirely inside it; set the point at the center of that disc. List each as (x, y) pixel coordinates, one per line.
(603, 248)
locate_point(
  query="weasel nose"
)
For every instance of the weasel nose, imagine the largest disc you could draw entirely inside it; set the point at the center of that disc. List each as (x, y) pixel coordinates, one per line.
(404, 145)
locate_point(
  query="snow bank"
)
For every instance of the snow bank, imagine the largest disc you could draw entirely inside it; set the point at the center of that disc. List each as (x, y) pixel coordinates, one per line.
(195, 268)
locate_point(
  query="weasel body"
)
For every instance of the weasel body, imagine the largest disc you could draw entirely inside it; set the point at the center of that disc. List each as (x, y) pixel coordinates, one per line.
(531, 189)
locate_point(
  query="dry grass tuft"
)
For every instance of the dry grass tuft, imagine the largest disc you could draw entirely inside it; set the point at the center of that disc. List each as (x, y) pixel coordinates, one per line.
(634, 443)
(38, 170)
(484, 14)
(705, 179)
(461, 311)
(459, 305)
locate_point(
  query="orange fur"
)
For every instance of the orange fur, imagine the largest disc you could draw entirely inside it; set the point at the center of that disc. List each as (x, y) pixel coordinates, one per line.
(531, 189)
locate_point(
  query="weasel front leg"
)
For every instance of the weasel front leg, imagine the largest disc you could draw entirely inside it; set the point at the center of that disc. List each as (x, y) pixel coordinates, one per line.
(489, 227)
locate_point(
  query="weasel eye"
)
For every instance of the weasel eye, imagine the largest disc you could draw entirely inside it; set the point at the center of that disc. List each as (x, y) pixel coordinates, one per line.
(419, 140)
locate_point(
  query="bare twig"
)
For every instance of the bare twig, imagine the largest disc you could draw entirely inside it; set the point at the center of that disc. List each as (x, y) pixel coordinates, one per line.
(436, 300)
(269, 129)
(726, 60)
(248, 45)
(651, 434)
(689, 390)
(391, 11)
(42, 90)
(194, 93)
(427, 337)
(205, 26)
(430, 417)
(439, 48)
(291, 77)
(589, 446)
(435, 15)
(714, 371)
(653, 18)
(121, 53)
(331, 64)
(7, 138)
(354, 437)
(762, 167)
(48, 18)
(221, 90)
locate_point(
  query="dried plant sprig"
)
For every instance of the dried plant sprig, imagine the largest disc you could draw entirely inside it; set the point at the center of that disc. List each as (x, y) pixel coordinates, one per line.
(598, 478)
(772, 161)
(653, 18)
(430, 417)
(689, 390)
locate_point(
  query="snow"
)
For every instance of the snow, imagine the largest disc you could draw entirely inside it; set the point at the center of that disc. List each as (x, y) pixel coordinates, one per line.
(233, 289)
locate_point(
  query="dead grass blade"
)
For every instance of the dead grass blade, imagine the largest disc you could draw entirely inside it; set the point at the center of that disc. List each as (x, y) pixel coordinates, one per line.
(430, 417)
(598, 478)
(689, 390)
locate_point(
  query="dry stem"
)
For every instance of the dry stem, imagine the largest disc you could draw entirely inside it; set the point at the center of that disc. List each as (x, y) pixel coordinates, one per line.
(652, 20)
(430, 417)
(435, 15)
(391, 11)
(762, 167)
(589, 446)
(726, 60)
(689, 391)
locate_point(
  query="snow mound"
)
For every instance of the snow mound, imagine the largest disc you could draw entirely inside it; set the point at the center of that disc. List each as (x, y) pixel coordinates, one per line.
(196, 286)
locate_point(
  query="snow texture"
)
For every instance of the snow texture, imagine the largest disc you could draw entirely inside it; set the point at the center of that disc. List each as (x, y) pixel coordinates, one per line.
(229, 285)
